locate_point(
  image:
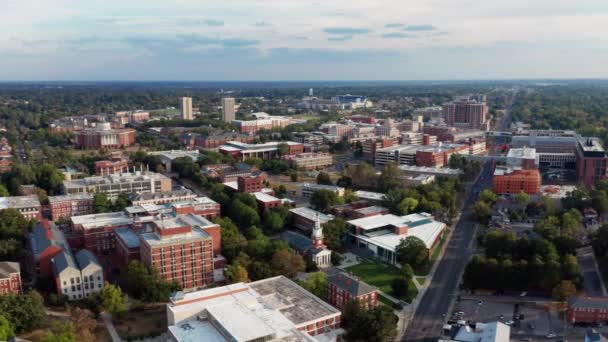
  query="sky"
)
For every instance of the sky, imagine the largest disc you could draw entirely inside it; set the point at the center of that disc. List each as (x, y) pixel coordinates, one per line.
(204, 40)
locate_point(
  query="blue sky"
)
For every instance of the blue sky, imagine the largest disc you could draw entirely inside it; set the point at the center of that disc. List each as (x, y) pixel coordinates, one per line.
(302, 40)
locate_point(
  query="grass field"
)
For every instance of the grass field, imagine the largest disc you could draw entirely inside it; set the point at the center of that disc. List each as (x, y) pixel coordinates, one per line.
(421, 280)
(381, 276)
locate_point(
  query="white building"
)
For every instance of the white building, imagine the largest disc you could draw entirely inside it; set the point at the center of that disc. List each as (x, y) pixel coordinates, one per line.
(307, 189)
(186, 108)
(77, 277)
(91, 272)
(167, 157)
(381, 234)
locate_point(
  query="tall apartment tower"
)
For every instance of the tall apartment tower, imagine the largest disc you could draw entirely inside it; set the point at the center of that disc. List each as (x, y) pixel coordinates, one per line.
(186, 107)
(466, 113)
(310, 92)
(228, 109)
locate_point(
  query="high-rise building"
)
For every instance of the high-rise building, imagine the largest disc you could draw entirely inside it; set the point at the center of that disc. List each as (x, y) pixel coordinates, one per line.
(466, 113)
(310, 92)
(186, 108)
(228, 109)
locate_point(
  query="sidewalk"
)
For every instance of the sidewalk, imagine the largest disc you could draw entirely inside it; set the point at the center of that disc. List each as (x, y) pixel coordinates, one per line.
(107, 320)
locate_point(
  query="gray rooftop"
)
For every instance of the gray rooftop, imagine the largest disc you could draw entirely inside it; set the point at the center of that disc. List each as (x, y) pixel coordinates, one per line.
(350, 284)
(597, 303)
(84, 258)
(63, 261)
(298, 305)
(128, 236)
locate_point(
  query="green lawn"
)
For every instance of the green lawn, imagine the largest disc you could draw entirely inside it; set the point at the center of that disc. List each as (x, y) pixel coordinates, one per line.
(381, 276)
(421, 280)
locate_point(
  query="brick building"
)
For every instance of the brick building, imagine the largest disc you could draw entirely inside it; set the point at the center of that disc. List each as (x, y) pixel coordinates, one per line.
(591, 161)
(507, 180)
(29, 206)
(241, 151)
(96, 232)
(10, 278)
(267, 201)
(343, 288)
(104, 137)
(162, 197)
(366, 119)
(70, 205)
(310, 161)
(305, 218)
(587, 310)
(370, 147)
(251, 183)
(183, 249)
(466, 113)
(438, 155)
(113, 185)
(114, 165)
(46, 241)
(6, 156)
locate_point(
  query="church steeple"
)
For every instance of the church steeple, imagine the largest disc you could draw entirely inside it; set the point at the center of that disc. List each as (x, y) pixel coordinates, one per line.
(317, 233)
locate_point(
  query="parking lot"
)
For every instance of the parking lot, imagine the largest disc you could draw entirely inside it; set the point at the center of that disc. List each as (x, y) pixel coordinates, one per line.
(538, 320)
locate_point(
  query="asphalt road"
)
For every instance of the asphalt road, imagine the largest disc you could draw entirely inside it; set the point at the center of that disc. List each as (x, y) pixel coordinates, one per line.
(428, 319)
(592, 283)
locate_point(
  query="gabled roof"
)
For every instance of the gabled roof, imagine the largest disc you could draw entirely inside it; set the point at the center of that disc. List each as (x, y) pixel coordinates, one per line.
(351, 284)
(63, 261)
(84, 258)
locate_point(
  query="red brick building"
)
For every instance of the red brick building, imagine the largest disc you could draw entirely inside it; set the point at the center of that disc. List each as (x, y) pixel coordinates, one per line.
(591, 161)
(251, 183)
(343, 288)
(96, 232)
(46, 241)
(267, 200)
(10, 278)
(466, 113)
(371, 120)
(70, 205)
(105, 138)
(372, 145)
(587, 310)
(183, 249)
(513, 181)
(114, 165)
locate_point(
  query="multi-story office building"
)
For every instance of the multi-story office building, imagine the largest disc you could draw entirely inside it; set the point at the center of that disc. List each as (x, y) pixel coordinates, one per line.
(251, 183)
(370, 146)
(273, 309)
(438, 155)
(67, 206)
(591, 161)
(193, 140)
(433, 113)
(524, 158)
(242, 151)
(400, 154)
(264, 121)
(314, 138)
(167, 157)
(186, 108)
(310, 161)
(228, 109)
(466, 113)
(388, 129)
(412, 138)
(116, 164)
(307, 189)
(103, 137)
(508, 180)
(162, 197)
(182, 249)
(113, 185)
(344, 288)
(96, 232)
(29, 206)
(10, 278)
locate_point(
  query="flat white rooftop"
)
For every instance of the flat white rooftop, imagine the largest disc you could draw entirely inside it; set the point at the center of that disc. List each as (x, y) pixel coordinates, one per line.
(102, 220)
(522, 153)
(312, 214)
(376, 196)
(419, 225)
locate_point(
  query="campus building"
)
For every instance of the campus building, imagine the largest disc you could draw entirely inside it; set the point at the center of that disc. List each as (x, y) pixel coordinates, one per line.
(273, 309)
(103, 137)
(77, 276)
(162, 197)
(113, 185)
(45, 242)
(95, 232)
(67, 206)
(307, 189)
(167, 157)
(304, 218)
(242, 151)
(508, 180)
(591, 160)
(380, 234)
(183, 249)
(29, 206)
(310, 161)
(466, 113)
(343, 288)
(587, 310)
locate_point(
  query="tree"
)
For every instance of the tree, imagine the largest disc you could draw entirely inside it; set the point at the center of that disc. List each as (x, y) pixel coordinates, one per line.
(488, 197)
(323, 178)
(282, 149)
(482, 212)
(334, 233)
(599, 201)
(280, 191)
(235, 273)
(145, 284)
(293, 175)
(564, 291)
(101, 203)
(317, 284)
(61, 332)
(3, 191)
(232, 239)
(111, 299)
(288, 263)
(323, 200)
(185, 167)
(24, 312)
(407, 205)
(362, 175)
(522, 198)
(390, 177)
(12, 224)
(122, 201)
(375, 325)
(274, 223)
(6, 329)
(412, 251)
(49, 178)
(84, 324)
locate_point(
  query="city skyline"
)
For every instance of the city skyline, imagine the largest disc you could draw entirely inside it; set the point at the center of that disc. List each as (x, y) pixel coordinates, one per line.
(292, 40)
